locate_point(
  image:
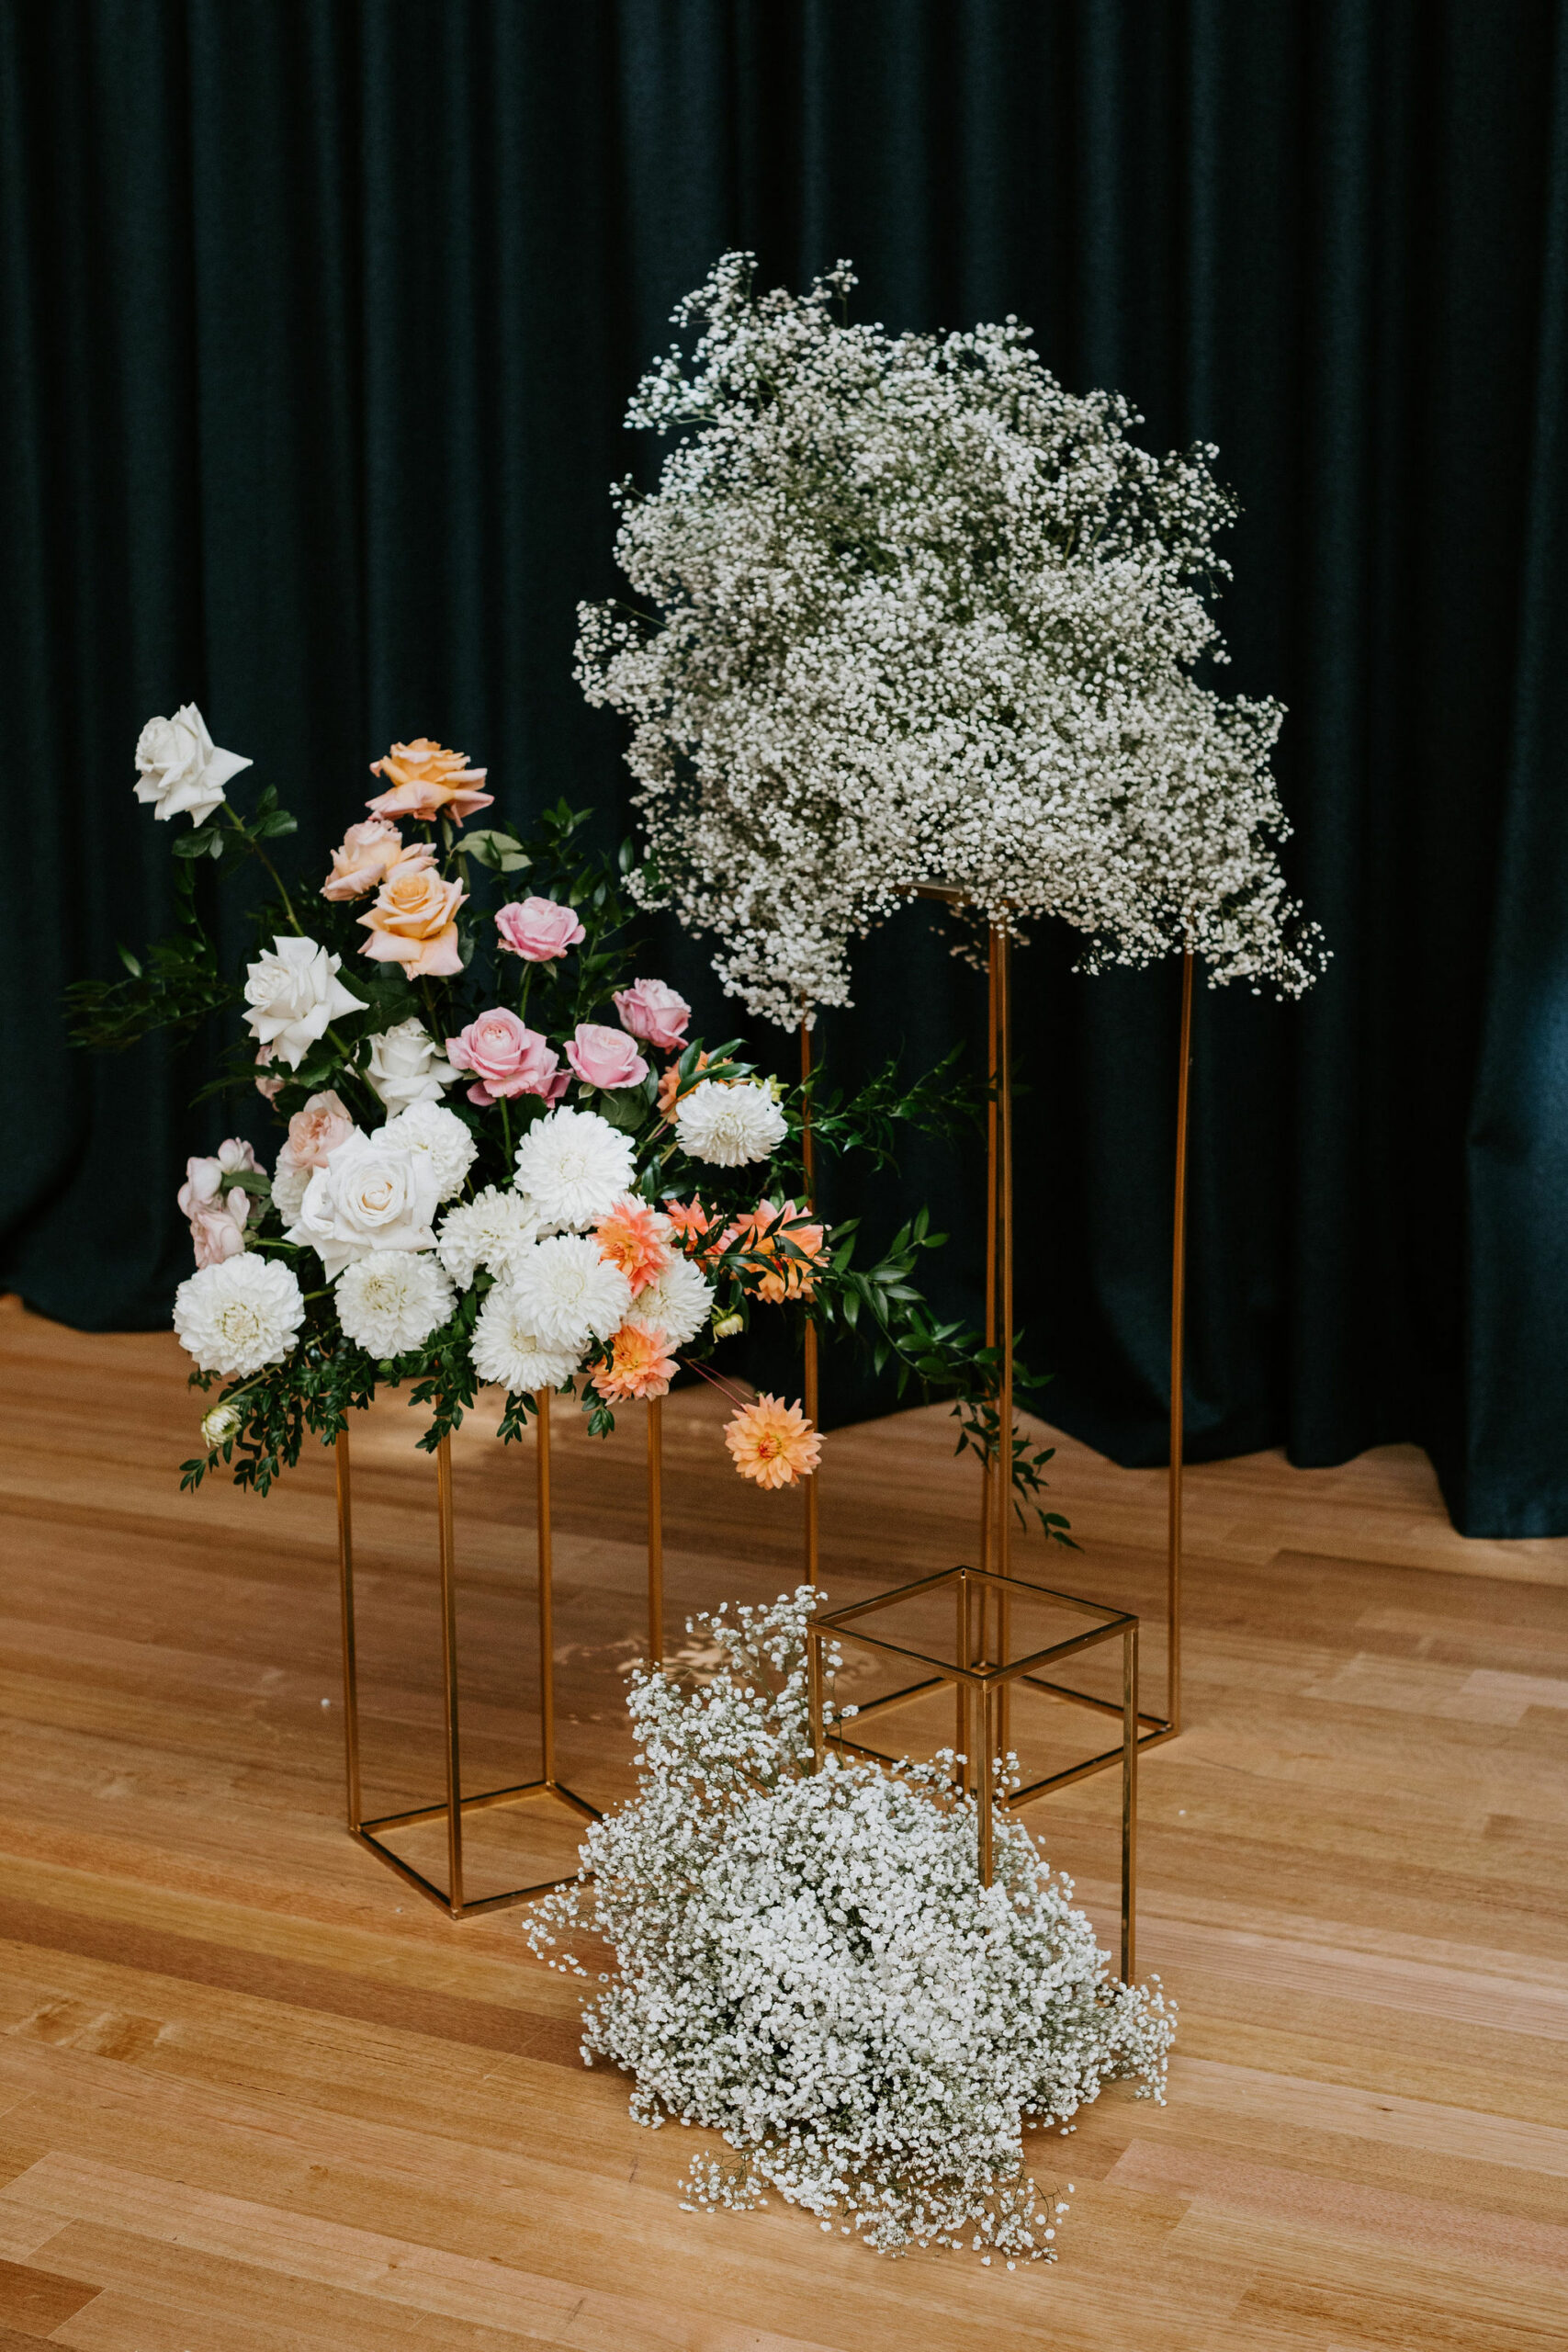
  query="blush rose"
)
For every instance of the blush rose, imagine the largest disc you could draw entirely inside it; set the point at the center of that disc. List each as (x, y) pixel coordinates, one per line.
(539, 929)
(603, 1056)
(654, 1014)
(506, 1058)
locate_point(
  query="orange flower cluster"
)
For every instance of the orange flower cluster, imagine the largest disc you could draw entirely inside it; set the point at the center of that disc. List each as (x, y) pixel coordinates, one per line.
(697, 1230)
(639, 1365)
(788, 1276)
(671, 1089)
(773, 1443)
(633, 1236)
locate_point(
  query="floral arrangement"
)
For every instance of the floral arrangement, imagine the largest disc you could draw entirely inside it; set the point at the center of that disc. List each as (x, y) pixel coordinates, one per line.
(505, 1160)
(806, 1962)
(912, 613)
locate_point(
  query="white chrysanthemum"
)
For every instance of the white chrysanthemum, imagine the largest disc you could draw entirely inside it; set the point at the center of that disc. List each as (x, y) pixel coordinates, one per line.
(238, 1316)
(677, 1303)
(573, 1165)
(429, 1128)
(567, 1292)
(289, 1185)
(728, 1125)
(392, 1300)
(506, 1350)
(487, 1231)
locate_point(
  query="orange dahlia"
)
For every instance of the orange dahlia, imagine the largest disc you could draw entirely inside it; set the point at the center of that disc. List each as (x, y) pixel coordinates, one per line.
(638, 1366)
(633, 1237)
(773, 1442)
(788, 1275)
(671, 1089)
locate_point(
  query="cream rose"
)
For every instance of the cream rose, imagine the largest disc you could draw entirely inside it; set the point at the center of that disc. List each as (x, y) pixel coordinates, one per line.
(179, 768)
(295, 994)
(372, 1195)
(407, 1066)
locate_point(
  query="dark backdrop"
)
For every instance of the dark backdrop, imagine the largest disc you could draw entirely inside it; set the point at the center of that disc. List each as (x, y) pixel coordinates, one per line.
(319, 320)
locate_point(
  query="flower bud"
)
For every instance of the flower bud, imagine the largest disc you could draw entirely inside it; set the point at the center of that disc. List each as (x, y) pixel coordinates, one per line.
(725, 1327)
(223, 1422)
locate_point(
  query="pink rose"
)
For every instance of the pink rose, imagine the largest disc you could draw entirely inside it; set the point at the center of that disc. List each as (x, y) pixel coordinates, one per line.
(218, 1220)
(318, 1128)
(604, 1056)
(267, 1087)
(507, 1058)
(367, 851)
(539, 929)
(654, 1014)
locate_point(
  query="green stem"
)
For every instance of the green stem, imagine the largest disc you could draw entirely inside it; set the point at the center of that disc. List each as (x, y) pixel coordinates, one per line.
(256, 851)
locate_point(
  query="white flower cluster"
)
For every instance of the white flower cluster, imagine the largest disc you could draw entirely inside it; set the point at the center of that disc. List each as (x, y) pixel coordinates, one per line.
(807, 1963)
(926, 616)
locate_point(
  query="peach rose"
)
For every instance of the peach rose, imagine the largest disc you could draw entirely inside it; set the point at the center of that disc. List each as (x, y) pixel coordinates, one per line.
(506, 1058)
(414, 920)
(427, 783)
(367, 851)
(539, 929)
(654, 1014)
(318, 1128)
(604, 1056)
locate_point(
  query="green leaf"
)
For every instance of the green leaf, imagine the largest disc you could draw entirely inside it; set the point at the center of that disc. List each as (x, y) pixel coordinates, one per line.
(132, 965)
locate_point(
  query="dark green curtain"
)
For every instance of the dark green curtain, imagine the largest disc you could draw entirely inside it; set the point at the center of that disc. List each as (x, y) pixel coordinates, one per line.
(319, 322)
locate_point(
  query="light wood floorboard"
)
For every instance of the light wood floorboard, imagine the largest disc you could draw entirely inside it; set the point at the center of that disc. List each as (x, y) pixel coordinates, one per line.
(255, 2097)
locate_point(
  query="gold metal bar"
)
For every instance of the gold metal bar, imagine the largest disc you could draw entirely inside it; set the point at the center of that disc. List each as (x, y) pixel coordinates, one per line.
(993, 1170)
(810, 1383)
(547, 1625)
(449, 1675)
(982, 1720)
(1002, 949)
(1129, 1800)
(350, 1662)
(903, 1698)
(1177, 1351)
(1082, 1699)
(814, 1692)
(961, 1707)
(656, 1529)
(1064, 1779)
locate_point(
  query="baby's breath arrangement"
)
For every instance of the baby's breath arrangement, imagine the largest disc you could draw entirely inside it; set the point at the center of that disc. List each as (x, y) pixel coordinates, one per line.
(911, 611)
(806, 1962)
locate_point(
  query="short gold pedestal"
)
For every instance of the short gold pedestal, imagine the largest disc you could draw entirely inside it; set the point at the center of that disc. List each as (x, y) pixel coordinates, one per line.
(980, 1687)
(453, 1807)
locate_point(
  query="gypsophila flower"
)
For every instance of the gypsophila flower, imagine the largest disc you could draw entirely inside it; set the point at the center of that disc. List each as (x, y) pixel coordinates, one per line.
(487, 1231)
(573, 1165)
(728, 1125)
(392, 1301)
(678, 1301)
(567, 1293)
(239, 1314)
(926, 616)
(506, 1350)
(430, 1127)
(806, 1962)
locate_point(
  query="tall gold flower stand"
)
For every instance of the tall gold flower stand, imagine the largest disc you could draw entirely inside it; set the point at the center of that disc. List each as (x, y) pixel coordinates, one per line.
(454, 1807)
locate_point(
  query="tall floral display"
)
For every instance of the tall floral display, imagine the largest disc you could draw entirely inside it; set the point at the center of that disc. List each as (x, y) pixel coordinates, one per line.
(910, 612)
(502, 1157)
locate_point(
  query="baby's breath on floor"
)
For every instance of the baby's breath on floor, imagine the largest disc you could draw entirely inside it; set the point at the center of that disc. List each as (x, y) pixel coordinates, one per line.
(807, 1964)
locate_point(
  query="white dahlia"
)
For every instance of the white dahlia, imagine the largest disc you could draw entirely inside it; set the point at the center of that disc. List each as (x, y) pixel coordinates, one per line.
(567, 1292)
(430, 1128)
(728, 1125)
(392, 1301)
(239, 1314)
(506, 1350)
(487, 1231)
(677, 1301)
(573, 1165)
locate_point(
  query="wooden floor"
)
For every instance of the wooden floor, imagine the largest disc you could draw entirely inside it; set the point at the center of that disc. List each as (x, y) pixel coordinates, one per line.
(254, 2094)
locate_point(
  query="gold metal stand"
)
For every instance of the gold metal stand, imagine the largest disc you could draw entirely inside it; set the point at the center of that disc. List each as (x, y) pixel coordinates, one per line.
(455, 1807)
(981, 1690)
(810, 1394)
(996, 1528)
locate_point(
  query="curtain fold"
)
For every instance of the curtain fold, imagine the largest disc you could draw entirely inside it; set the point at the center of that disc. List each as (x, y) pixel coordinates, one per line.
(320, 320)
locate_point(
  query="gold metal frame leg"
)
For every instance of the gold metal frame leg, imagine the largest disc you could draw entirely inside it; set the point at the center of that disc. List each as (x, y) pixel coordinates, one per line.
(656, 1531)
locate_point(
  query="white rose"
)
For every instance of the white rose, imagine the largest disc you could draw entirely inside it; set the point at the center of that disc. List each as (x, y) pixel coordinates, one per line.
(370, 1195)
(294, 993)
(179, 768)
(406, 1065)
